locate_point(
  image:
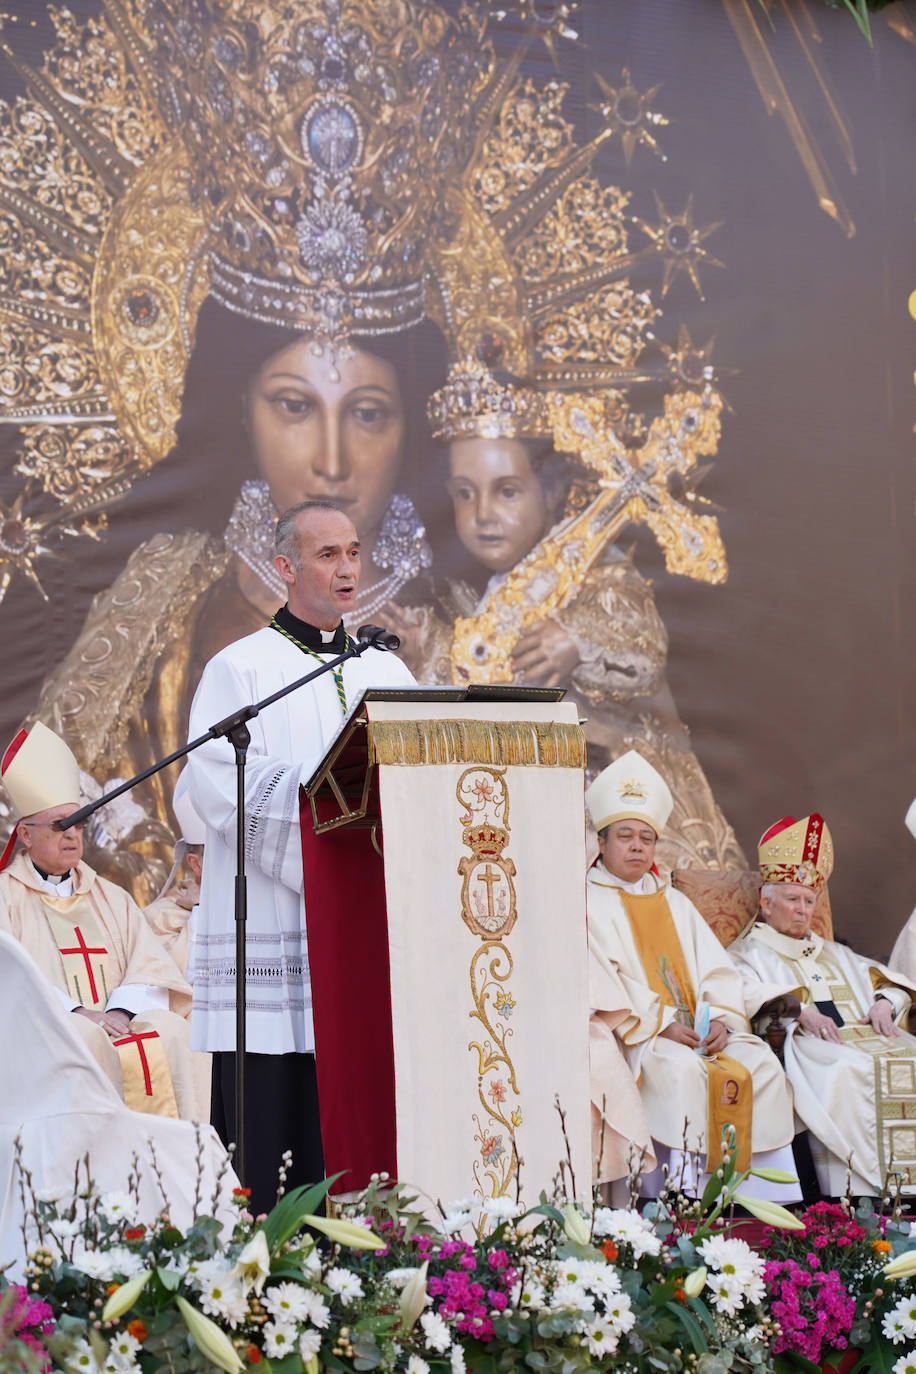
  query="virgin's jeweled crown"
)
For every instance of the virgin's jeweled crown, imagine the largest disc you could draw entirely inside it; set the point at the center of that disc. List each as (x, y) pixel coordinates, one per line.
(320, 135)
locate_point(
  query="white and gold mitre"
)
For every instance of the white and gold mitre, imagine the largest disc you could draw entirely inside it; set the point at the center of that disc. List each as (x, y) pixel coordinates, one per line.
(320, 137)
(794, 851)
(475, 404)
(39, 771)
(629, 789)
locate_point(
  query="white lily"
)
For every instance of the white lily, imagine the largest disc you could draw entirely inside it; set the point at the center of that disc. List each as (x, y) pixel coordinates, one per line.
(347, 1232)
(774, 1175)
(575, 1225)
(124, 1296)
(902, 1266)
(212, 1343)
(770, 1212)
(413, 1298)
(253, 1264)
(695, 1282)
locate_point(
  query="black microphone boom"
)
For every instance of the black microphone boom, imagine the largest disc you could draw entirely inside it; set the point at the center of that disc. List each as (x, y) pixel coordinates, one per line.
(378, 638)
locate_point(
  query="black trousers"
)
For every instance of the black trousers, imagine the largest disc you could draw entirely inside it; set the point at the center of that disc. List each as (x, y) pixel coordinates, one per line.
(282, 1114)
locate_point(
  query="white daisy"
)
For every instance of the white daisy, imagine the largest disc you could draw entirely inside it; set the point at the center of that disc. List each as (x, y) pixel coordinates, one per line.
(280, 1338)
(319, 1314)
(222, 1295)
(528, 1294)
(501, 1208)
(82, 1358)
(435, 1329)
(122, 1351)
(398, 1278)
(417, 1366)
(309, 1343)
(629, 1227)
(571, 1296)
(346, 1285)
(456, 1358)
(619, 1312)
(95, 1264)
(601, 1337)
(287, 1302)
(119, 1207)
(899, 1324)
(906, 1364)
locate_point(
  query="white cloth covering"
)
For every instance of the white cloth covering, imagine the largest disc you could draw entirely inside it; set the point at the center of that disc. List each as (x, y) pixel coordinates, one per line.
(57, 1100)
(671, 1077)
(858, 1099)
(288, 741)
(903, 955)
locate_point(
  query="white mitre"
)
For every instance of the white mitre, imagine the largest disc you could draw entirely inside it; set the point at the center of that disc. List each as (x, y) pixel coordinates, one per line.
(910, 820)
(629, 789)
(191, 828)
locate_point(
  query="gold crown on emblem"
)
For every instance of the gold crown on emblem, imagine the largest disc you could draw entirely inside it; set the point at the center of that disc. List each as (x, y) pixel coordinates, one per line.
(473, 404)
(319, 135)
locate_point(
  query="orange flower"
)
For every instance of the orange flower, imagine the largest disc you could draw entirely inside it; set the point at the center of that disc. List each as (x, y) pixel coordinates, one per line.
(112, 1288)
(137, 1330)
(679, 1294)
(134, 1233)
(609, 1250)
(241, 1192)
(252, 1353)
(883, 1247)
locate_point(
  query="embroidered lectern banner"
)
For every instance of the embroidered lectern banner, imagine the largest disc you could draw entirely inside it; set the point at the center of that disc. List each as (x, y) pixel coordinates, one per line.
(486, 970)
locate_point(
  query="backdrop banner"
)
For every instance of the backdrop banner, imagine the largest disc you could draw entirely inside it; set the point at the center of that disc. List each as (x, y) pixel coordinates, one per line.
(594, 319)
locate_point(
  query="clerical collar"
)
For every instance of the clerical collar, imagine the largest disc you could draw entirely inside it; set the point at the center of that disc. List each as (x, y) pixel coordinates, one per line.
(51, 877)
(320, 641)
(788, 945)
(638, 889)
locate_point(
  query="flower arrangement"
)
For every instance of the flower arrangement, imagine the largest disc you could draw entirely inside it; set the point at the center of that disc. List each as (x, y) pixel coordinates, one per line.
(488, 1287)
(831, 1286)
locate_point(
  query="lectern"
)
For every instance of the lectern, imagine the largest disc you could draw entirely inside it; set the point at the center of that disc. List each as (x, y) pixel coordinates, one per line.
(443, 846)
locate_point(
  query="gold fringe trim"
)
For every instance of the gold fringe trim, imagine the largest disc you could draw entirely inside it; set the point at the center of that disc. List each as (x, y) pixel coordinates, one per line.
(527, 744)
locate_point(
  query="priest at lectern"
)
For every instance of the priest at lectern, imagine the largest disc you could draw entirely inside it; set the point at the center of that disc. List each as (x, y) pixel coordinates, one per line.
(318, 557)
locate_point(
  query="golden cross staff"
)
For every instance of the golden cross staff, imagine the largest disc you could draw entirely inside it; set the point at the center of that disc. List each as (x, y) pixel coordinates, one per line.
(635, 486)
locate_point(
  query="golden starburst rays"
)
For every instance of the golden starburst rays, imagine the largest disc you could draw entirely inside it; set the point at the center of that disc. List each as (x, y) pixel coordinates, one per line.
(690, 364)
(24, 538)
(548, 19)
(626, 112)
(680, 243)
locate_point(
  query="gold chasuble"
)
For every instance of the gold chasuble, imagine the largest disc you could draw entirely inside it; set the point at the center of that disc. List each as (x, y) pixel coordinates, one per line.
(90, 944)
(730, 1091)
(145, 1077)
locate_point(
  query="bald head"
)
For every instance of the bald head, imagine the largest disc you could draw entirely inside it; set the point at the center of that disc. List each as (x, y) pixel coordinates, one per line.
(318, 557)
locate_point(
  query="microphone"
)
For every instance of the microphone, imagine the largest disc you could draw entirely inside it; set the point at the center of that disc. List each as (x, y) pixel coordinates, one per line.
(378, 638)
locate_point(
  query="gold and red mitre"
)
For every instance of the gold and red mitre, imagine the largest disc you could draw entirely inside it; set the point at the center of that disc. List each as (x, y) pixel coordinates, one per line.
(794, 851)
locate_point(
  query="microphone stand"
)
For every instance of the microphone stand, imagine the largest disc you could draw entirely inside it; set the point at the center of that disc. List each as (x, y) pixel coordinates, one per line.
(234, 728)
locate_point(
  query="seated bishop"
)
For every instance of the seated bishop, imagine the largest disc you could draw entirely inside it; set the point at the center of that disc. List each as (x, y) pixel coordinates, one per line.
(127, 998)
(703, 1077)
(852, 1068)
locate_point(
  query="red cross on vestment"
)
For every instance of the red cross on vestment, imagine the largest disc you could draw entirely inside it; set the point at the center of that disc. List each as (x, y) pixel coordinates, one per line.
(134, 1039)
(83, 949)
